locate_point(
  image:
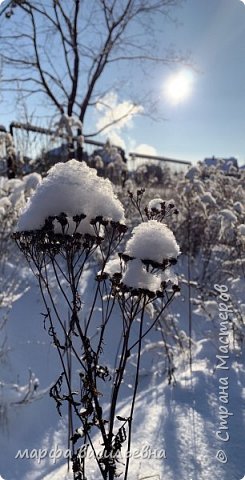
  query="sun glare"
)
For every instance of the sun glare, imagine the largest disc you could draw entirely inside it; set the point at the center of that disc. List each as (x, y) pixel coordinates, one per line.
(178, 87)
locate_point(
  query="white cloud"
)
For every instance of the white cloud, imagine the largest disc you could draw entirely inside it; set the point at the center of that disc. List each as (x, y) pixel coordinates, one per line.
(145, 149)
(111, 110)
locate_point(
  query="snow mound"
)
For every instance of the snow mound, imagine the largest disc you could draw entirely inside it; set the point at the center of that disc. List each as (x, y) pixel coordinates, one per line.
(72, 188)
(154, 241)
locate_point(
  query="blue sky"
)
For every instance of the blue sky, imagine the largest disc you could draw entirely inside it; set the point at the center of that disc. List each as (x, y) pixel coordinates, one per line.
(212, 120)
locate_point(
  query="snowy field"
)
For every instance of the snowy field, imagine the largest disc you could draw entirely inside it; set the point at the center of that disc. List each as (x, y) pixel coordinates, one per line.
(189, 418)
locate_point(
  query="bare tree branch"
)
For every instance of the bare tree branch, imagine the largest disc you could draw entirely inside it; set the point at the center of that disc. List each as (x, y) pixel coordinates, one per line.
(113, 122)
(65, 47)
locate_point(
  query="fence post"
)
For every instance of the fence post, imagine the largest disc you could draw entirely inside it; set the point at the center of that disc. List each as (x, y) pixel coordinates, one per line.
(79, 146)
(11, 155)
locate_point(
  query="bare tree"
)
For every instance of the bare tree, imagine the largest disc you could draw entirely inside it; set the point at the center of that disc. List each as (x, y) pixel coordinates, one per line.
(66, 50)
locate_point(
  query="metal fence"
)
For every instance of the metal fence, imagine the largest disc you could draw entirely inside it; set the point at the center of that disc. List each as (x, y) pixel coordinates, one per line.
(3, 151)
(138, 158)
(42, 147)
(27, 148)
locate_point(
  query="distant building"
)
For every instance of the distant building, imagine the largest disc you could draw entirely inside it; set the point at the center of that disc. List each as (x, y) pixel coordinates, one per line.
(223, 163)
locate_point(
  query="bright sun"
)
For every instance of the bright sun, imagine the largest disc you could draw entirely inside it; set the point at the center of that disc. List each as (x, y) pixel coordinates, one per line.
(178, 87)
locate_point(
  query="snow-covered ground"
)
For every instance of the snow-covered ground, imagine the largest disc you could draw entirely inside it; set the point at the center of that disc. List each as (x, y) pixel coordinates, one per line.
(187, 430)
(178, 421)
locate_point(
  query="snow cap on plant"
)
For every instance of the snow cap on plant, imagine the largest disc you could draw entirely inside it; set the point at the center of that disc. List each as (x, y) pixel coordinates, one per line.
(133, 276)
(71, 189)
(152, 241)
(158, 209)
(142, 268)
(155, 204)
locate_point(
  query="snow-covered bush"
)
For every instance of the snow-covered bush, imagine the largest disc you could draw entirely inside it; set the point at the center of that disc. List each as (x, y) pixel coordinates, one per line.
(13, 194)
(209, 227)
(110, 162)
(72, 215)
(152, 174)
(210, 222)
(66, 125)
